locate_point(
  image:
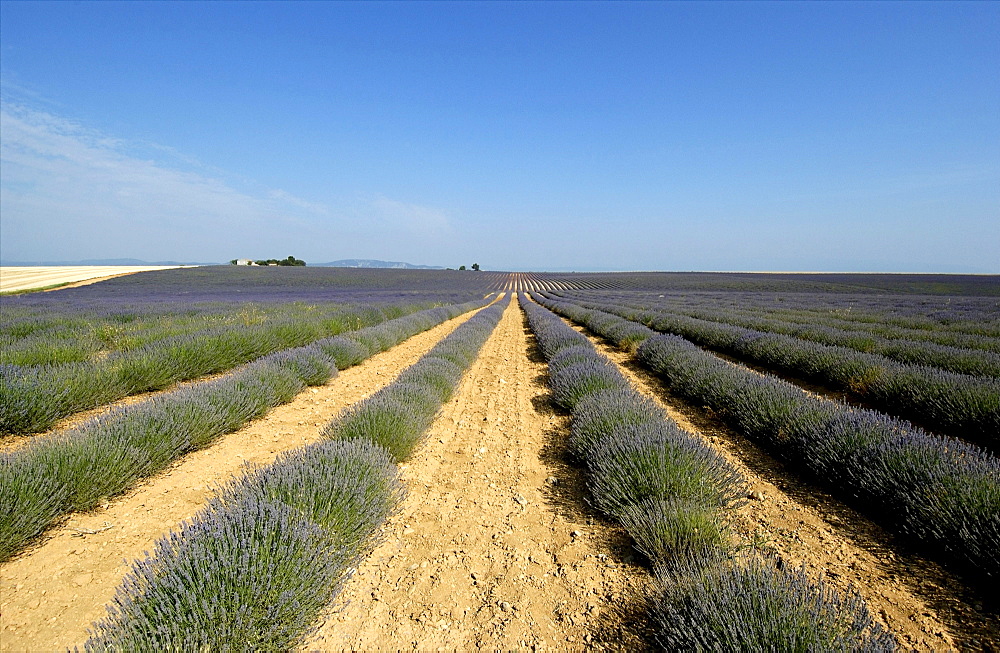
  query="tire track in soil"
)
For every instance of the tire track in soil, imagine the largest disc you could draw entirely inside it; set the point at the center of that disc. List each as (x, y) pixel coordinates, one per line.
(51, 593)
(493, 547)
(919, 601)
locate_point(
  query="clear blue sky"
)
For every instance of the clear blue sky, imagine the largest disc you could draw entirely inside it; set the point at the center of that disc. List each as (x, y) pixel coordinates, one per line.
(522, 136)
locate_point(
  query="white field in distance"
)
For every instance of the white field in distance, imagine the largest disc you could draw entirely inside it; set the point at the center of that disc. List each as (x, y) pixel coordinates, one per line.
(26, 278)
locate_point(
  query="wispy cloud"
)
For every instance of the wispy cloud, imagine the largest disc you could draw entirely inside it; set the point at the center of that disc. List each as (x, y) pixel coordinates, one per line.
(71, 192)
(413, 218)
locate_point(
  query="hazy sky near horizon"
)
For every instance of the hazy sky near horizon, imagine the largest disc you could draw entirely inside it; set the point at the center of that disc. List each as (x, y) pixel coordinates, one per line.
(523, 136)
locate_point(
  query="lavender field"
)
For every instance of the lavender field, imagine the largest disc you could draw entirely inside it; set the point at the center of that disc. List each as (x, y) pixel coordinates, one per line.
(877, 394)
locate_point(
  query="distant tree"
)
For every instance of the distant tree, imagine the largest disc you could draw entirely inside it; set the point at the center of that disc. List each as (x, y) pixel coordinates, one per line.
(475, 266)
(233, 262)
(291, 260)
(461, 267)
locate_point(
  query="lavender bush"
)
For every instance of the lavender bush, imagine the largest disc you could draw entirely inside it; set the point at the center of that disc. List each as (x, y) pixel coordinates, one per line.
(757, 605)
(572, 383)
(668, 529)
(256, 567)
(345, 352)
(599, 413)
(27, 503)
(657, 460)
(347, 487)
(253, 579)
(384, 420)
(573, 354)
(438, 374)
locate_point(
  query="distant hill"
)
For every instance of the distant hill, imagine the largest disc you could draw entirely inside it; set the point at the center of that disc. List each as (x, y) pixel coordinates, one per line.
(99, 261)
(372, 263)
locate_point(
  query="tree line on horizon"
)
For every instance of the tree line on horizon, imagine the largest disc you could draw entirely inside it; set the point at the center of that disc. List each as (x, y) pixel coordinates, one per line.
(291, 260)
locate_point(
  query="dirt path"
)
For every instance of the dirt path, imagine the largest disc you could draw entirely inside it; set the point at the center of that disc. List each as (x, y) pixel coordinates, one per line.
(493, 547)
(50, 594)
(916, 599)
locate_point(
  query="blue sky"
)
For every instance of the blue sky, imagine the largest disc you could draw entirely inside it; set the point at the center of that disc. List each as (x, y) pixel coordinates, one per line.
(522, 136)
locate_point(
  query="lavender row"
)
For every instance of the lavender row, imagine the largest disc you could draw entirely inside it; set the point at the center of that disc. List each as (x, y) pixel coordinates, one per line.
(898, 315)
(757, 603)
(893, 316)
(66, 334)
(963, 322)
(671, 492)
(978, 362)
(639, 461)
(140, 302)
(936, 344)
(974, 362)
(954, 404)
(75, 469)
(941, 493)
(875, 285)
(33, 398)
(255, 569)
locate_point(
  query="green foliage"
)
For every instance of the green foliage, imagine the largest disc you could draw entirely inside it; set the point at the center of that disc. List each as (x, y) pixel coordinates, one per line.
(384, 420)
(291, 260)
(665, 529)
(28, 503)
(573, 383)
